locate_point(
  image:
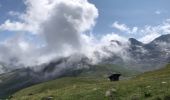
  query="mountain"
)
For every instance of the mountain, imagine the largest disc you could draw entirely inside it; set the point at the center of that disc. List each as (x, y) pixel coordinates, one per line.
(2, 68)
(135, 42)
(21, 78)
(162, 38)
(16, 79)
(134, 57)
(142, 56)
(133, 54)
(154, 54)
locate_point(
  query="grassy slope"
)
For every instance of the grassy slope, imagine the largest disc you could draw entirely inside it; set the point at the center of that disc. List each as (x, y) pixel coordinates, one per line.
(15, 80)
(154, 84)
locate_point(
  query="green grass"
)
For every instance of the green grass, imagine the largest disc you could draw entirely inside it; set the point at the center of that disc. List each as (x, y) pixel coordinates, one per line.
(19, 79)
(104, 70)
(153, 85)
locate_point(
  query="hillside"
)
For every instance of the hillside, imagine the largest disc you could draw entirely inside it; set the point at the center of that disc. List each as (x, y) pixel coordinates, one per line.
(22, 78)
(152, 85)
(12, 81)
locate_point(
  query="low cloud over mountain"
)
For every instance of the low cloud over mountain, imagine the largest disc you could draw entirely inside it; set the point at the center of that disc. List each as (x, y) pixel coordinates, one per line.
(55, 29)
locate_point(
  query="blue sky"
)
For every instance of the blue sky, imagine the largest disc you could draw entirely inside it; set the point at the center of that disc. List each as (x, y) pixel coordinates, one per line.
(5, 7)
(10, 5)
(133, 13)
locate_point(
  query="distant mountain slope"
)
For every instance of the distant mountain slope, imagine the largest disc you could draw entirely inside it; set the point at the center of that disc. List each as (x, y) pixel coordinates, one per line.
(147, 86)
(149, 56)
(14, 80)
(21, 78)
(3, 68)
(162, 38)
(135, 42)
(137, 55)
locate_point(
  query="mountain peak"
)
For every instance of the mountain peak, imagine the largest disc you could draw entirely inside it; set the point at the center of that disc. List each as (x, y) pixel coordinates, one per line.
(115, 41)
(135, 42)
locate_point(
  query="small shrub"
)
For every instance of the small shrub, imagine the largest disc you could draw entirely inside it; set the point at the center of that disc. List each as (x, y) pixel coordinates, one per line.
(10, 96)
(135, 97)
(47, 98)
(30, 94)
(147, 94)
(157, 98)
(167, 97)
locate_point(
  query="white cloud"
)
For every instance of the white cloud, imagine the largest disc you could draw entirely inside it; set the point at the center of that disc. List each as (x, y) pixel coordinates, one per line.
(158, 12)
(61, 23)
(165, 27)
(65, 26)
(124, 27)
(121, 27)
(24, 45)
(15, 26)
(107, 46)
(36, 12)
(149, 37)
(151, 32)
(108, 37)
(134, 29)
(147, 33)
(14, 13)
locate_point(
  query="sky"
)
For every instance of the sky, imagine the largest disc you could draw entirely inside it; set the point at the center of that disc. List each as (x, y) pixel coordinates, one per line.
(132, 13)
(46, 29)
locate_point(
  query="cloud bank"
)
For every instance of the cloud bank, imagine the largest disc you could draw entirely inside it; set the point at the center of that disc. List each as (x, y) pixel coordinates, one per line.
(62, 26)
(144, 34)
(60, 23)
